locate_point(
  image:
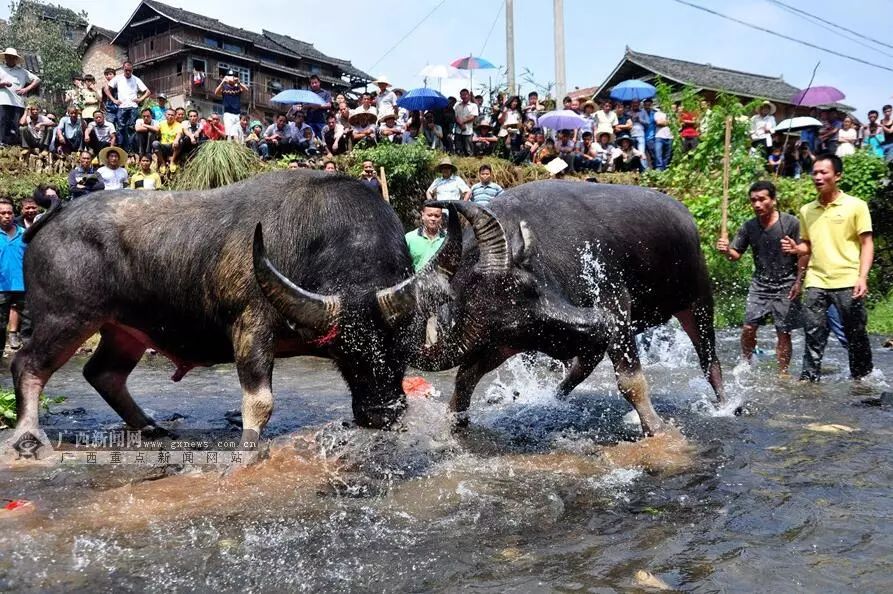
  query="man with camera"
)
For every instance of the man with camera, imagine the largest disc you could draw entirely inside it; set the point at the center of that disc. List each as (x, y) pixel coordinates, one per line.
(231, 89)
(83, 179)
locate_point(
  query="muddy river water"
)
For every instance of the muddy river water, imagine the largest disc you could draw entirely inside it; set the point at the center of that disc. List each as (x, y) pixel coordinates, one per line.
(538, 495)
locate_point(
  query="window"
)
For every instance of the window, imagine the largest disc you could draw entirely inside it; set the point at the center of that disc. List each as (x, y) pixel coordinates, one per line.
(151, 45)
(269, 58)
(232, 48)
(179, 68)
(211, 42)
(315, 69)
(199, 65)
(244, 74)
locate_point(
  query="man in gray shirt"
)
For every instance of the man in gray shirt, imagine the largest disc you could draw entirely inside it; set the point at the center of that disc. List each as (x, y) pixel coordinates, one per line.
(776, 279)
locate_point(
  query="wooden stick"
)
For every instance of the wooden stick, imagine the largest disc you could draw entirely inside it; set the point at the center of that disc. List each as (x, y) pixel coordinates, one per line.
(726, 166)
(384, 186)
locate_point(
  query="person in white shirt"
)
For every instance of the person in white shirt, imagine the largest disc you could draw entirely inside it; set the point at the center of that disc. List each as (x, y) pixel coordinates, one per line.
(113, 176)
(466, 113)
(131, 92)
(762, 126)
(386, 102)
(15, 84)
(448, 186)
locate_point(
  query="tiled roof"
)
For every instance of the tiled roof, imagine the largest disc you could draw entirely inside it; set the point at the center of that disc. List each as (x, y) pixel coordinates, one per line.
(273, 42)
(53, 12)
(715, 78)
(584, 93)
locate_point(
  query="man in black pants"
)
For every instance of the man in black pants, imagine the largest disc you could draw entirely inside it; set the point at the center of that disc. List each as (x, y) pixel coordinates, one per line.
(836, 233)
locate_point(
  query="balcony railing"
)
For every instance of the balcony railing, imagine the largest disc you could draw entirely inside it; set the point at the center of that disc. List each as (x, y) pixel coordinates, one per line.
(185, 84)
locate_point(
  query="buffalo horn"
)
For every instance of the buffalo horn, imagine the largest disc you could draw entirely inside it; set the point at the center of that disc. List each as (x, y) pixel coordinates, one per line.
(490, 236)
(303, 308)
(400, 299)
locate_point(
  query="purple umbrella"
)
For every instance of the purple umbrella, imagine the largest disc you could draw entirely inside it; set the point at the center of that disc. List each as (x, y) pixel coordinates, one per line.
(817, 96)
(562, 119)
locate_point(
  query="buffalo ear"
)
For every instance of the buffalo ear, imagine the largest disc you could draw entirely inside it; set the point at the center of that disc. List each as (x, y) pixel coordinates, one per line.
(528, 245)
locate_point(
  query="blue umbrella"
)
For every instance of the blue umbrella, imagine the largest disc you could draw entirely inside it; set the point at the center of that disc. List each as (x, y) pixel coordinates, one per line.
(292, 96)
(633, 89)
(422, 100)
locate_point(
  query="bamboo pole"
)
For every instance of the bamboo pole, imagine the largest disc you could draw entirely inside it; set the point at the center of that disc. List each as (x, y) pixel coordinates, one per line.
(726, 166)
(384, 186)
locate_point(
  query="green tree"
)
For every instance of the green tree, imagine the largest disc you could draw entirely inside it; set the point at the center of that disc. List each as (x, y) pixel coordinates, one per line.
(29, 31)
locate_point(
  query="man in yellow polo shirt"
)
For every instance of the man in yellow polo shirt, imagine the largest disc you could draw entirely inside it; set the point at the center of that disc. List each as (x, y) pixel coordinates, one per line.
(835, 233)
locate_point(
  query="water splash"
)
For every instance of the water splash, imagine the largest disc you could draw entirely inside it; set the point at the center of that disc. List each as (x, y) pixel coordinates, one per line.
(592, 271)
(667, 346)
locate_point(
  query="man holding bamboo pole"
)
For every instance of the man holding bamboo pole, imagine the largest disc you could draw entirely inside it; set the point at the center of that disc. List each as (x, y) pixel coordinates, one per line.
(775, 285)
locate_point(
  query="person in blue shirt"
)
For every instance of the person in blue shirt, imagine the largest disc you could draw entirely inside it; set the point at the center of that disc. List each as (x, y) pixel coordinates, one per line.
(486, 189)
(646, 117)
(12, 278)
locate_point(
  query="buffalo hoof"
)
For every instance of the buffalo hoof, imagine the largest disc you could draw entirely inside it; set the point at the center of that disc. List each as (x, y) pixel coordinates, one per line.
(460, 421)
(154, 431)
(26, 444)
(380, 417)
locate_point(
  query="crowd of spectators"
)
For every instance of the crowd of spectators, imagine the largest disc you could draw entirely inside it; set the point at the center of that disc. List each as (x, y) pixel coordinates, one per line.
(839, 134)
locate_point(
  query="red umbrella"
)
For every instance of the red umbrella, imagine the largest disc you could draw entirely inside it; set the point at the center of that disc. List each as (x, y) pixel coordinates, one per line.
(817, 96)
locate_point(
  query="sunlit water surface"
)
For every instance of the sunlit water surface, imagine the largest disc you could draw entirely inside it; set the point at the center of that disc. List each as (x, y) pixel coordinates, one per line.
(538, 494)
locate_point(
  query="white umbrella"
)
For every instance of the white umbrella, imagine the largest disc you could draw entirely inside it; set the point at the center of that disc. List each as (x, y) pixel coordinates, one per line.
(798, 123)
(441, 71)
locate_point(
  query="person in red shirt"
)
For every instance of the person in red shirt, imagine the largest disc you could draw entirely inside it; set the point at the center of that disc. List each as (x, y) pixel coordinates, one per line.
(213, 128)
(689, 132)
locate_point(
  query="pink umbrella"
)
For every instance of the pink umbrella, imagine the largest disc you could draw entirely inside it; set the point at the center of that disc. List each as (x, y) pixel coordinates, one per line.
(817, 96)
(471, 63)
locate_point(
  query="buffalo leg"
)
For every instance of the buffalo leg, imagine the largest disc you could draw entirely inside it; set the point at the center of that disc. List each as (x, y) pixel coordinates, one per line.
(53, 342)
(107, 371)
(698, 324)
(630, 379)
(254, 364)
(578, 369)
(467, 378)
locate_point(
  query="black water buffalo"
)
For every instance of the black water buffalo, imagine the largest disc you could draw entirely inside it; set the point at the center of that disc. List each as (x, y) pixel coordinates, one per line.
(574, 270)
(187, 273)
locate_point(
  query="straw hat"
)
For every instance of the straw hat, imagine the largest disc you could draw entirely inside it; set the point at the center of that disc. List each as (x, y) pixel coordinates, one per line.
(104, 153)
(624, 136)
(386, 116)
(382, 80)
(768, 104)
(484, 124)
(10, 51)
(591, 104)
(598, 137)
(359, 117)
(445, 162)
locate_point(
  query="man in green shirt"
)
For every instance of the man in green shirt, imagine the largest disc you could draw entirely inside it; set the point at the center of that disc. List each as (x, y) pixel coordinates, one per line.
(427, 239)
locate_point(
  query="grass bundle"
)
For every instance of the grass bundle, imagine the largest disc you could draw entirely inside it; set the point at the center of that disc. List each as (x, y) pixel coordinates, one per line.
(217, 164)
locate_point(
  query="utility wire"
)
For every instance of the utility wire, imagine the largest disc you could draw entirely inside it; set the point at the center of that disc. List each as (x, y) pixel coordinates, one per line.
(837, 30)
(410, 32)
(862, 35)
(493, 26)
(783, 36)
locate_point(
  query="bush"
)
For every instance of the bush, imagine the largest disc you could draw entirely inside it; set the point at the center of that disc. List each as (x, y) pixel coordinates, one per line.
(408, 169)
(881, 208)
(863, 172)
